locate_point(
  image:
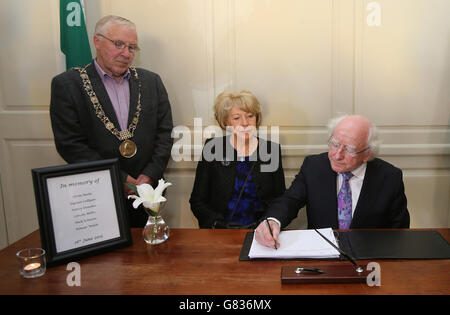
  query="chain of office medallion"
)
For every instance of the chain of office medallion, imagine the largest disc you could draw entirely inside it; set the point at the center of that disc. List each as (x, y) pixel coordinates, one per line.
(122, 134)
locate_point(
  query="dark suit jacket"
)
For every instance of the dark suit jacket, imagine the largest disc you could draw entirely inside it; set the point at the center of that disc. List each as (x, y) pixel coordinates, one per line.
(80, 136)
(381, 204)
(214, 180)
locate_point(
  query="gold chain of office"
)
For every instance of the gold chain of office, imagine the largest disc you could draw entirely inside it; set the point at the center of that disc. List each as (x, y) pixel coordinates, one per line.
(122, 134)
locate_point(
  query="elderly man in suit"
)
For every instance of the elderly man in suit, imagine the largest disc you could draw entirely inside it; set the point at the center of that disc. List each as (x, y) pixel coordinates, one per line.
(344, 188)
(109, 109)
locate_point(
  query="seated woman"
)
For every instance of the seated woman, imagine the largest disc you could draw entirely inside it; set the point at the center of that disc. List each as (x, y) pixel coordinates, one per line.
(239, 174)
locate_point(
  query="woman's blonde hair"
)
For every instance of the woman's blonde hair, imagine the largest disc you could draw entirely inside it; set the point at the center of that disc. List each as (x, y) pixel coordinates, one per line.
(244, 100)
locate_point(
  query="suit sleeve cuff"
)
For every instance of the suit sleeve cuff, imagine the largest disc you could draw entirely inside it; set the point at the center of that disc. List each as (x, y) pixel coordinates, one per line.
(275, 220)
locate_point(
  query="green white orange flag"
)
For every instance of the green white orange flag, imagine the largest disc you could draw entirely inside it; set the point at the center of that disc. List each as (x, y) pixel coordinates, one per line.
(74, 37)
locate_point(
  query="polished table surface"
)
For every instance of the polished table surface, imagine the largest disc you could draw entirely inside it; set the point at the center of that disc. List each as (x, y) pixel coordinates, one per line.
(200, 262)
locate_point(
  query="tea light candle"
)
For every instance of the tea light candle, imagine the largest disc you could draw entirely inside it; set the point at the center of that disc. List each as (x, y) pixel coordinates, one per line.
(32, 262)
(32, 266)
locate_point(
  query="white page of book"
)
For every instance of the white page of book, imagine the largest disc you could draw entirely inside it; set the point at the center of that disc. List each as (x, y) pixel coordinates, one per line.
(298, 244)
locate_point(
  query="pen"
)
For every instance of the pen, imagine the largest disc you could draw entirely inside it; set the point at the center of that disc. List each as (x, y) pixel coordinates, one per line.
(301, 269)
(271, 234)
(358, 268)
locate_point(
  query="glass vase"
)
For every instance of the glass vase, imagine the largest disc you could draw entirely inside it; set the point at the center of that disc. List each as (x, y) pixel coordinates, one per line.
(156, 231)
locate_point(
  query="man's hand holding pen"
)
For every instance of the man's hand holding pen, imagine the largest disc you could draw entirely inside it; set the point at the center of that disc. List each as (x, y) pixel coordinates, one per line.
(264, 236)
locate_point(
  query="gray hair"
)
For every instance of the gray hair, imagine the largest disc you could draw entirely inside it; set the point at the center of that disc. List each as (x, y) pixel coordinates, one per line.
(102, 25)
(372, 140)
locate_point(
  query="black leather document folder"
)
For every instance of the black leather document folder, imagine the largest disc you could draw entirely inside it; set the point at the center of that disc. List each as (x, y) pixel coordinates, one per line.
(383, 244)
(394, 244)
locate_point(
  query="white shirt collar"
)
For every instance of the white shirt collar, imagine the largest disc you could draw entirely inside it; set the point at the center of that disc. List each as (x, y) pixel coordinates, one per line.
(360, 172)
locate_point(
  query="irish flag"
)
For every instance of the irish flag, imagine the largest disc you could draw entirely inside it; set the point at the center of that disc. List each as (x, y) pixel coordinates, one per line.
(74, 38)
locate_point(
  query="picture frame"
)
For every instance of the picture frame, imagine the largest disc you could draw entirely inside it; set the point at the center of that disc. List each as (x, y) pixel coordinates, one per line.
(81, 210)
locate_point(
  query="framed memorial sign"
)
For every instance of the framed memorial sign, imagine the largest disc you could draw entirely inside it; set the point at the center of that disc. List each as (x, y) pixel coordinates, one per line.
(81, 209)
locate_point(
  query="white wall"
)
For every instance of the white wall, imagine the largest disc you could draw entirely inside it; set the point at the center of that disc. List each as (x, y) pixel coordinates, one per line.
(305, 60)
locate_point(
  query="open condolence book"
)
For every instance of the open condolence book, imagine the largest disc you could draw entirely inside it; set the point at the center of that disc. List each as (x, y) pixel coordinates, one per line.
(358, 244)
(298, 244)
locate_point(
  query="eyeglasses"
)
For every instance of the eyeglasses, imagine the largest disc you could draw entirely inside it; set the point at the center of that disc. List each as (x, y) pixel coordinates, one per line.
(335, 145)
(121, 45)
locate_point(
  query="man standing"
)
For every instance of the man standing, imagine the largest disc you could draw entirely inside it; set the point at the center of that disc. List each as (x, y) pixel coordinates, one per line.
(344, 188)
(109, 109)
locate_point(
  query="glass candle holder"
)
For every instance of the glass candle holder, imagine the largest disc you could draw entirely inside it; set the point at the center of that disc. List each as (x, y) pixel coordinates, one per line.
(32, 263)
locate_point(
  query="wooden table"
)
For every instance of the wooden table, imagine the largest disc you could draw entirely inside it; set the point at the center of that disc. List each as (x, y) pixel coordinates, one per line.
(204, 262)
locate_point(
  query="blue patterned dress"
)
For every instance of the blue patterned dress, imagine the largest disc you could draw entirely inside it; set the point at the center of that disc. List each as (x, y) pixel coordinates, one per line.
(249, 202)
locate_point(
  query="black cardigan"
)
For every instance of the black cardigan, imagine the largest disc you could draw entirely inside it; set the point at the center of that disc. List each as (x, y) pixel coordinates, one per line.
(215, 178)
